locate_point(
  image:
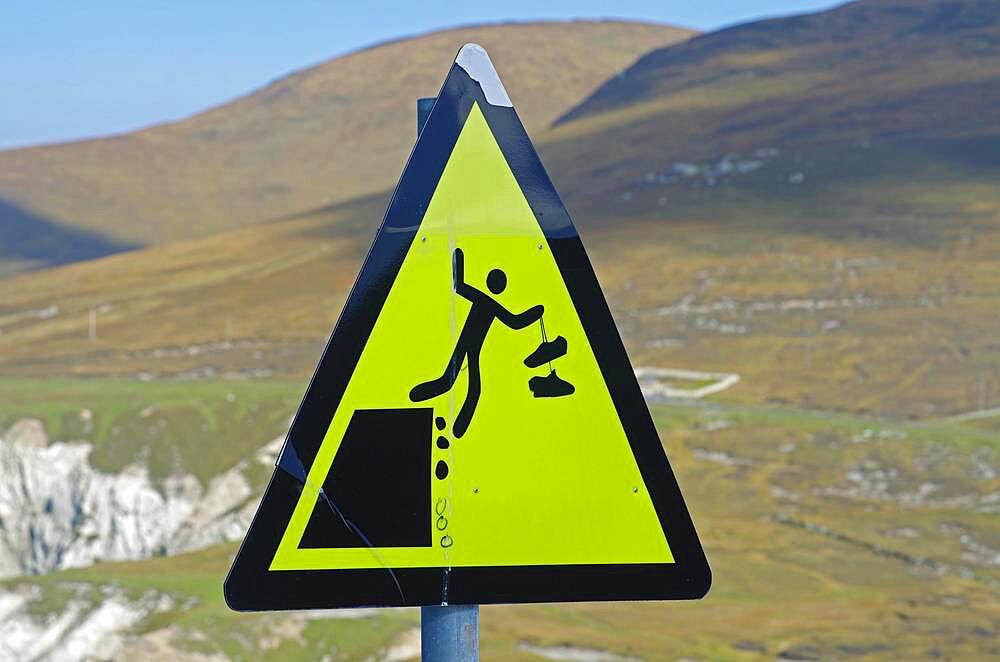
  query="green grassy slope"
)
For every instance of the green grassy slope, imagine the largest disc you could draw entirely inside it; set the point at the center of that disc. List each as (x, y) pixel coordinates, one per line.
(825, 540)
(200, 428)
(327, 133)
(870, 323)
(198, 620)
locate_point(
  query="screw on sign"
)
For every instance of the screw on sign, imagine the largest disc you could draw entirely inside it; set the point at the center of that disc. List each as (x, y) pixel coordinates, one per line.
(428, 431)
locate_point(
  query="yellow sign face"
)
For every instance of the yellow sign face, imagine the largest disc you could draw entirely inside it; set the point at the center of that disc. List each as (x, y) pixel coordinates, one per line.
(533, 480)
(474, 432)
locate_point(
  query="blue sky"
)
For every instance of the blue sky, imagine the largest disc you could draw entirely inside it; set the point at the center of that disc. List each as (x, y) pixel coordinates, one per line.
(73, 69)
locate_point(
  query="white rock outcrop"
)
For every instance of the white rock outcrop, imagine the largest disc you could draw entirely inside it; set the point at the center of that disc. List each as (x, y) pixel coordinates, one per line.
(57, 511)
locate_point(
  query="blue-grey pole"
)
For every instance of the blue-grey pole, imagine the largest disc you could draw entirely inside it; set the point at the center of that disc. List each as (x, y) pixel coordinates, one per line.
(449, 633)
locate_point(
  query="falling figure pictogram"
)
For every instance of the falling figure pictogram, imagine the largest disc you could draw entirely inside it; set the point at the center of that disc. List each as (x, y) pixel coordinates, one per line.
(484, 310)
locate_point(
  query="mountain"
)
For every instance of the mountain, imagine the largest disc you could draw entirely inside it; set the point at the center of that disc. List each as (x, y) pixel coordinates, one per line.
(921, 76)
(831, 75)
(323, 134)
(874, 257)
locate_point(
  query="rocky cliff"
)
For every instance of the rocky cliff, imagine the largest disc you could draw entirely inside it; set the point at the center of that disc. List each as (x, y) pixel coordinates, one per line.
(57, 511)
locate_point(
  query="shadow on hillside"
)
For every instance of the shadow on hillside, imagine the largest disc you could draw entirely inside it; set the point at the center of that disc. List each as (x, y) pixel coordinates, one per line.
(29, 241)
(356, 218)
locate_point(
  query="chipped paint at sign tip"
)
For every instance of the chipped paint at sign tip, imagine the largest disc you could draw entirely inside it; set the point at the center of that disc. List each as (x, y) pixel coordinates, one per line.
(475, 62)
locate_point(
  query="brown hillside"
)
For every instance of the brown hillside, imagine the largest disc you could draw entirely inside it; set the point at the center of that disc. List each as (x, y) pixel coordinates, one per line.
(327, 133)
(874, 72)
(836, 274)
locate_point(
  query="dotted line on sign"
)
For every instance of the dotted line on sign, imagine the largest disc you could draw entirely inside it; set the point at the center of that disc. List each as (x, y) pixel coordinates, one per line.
(441, 472)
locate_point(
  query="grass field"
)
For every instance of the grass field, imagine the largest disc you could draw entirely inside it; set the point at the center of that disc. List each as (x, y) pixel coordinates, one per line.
(830, 298)
(200, 428)
(823, 539)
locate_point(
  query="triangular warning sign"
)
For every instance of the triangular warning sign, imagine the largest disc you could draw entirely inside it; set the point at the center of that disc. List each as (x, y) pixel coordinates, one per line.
(474, 432)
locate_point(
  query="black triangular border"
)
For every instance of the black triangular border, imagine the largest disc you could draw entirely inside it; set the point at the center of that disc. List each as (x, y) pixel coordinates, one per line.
(250, 586)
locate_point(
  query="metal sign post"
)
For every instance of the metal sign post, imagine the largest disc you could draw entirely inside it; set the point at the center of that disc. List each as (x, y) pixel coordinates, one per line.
(449, 633)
